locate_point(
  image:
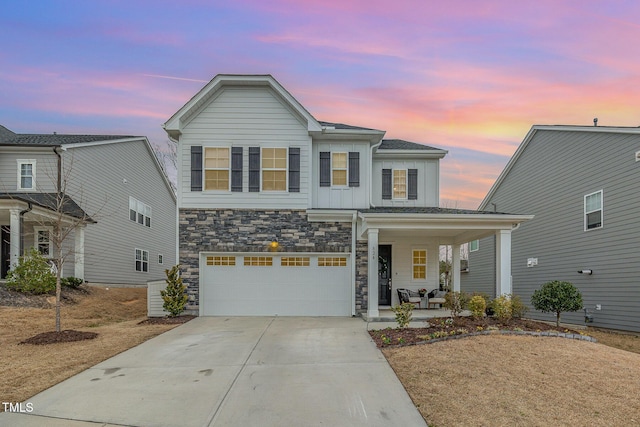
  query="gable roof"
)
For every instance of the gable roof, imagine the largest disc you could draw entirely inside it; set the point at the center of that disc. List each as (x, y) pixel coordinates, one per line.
(49, 201)
(530, 135)
(55, 140)
(400, 144)
(174, 125)
(342, 126)
(5, 133)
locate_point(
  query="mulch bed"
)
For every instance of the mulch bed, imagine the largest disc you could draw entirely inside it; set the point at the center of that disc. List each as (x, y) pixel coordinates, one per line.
(167, 320)
(445, 326)
(68, 335)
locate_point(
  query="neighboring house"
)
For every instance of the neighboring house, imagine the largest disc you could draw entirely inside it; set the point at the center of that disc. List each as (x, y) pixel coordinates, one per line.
(282, 214)
(581, 184)
(114, 190)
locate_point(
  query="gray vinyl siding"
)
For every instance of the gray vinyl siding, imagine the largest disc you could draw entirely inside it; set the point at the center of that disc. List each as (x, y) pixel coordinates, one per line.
(104, 178)
(549, 180)
(46, 168)
(482, 269)
(427, 180)
(245, 117)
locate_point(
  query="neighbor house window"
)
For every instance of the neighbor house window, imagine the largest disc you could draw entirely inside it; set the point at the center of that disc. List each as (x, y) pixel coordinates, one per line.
(419, 264)
(474, 245)
(399, 183)
(26, 174)
(142, 260)
(160, 259)
(593, 210)
(43, 240)
(274, 169)
(216, 168)
(139, 212)
(339, 169)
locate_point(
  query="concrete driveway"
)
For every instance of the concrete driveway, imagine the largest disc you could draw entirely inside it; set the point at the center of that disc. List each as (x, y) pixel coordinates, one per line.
(240, 371)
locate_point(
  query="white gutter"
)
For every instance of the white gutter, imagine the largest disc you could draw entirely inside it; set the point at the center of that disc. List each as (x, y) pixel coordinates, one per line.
(371, 172)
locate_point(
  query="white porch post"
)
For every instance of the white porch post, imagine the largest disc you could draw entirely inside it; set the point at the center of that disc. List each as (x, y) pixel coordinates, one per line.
(455, 265)
(372, 273)
(503, 262)
(14, 246)
(79, 253)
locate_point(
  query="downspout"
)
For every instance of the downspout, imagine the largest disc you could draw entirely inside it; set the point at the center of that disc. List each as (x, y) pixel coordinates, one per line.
(178, 197)
(55, 150)
(373, 147)
(21, 216)
(354, 220)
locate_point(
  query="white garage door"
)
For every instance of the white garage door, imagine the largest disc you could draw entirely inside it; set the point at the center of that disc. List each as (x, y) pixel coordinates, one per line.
(260, 284)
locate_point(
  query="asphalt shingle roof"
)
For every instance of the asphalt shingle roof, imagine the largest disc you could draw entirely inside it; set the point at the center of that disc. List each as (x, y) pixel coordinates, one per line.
(400, 144)
(54, 140)
(5, 134)
(342, 126)
(428, 210)
(48, 201)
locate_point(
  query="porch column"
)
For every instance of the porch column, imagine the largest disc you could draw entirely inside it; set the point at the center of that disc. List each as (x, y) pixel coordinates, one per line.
(14, 245)
(372, 273)
(455, 266)
(79, 252)
(503, 262)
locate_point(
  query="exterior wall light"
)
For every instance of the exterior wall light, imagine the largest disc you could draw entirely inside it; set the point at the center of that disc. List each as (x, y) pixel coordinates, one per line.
(589, 272)
(274, 245)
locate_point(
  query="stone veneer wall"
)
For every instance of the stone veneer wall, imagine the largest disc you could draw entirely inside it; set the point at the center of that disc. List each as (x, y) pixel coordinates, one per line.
(245, 230)
(362, 286)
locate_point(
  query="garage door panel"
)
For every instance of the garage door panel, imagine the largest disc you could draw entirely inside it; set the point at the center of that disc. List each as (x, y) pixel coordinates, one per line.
(322, 287)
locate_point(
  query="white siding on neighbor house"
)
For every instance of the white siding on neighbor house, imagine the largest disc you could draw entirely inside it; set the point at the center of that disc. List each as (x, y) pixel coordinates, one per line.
(428, 181)
(155, 302)
(46, 171)
(343, 197)
(245, 117)
(549, 180)
(104, 177)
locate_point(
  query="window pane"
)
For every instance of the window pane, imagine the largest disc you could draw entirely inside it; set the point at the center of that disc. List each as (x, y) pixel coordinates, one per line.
(145, 267)
(274, 180)
(339, 177)
(594, 220)
(138, 254)
(216, 180)
(216, 158)
(26, 182)
(147, 221)
(594, 202)
(339, 160)
(138, 266)
(419, 272)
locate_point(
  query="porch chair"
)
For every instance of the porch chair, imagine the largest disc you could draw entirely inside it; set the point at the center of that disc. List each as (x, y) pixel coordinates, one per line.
(435, 297)
(407, 295)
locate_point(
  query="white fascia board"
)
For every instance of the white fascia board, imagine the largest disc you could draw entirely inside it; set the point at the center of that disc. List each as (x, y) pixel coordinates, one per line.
(105, 142)
(330, 215)
(331, 134)
(397, 154)
(443, 221)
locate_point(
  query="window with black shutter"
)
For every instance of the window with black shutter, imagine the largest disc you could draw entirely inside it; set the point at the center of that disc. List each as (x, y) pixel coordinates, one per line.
(412, 184)
(196, 168)
(294, 169)
(254, 169)
(387, 187)
(325, 169)
(236, 169)
(354, 169)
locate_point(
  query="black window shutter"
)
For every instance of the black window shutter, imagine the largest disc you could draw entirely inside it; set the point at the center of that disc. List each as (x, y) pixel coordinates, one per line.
(236, 169)
(325, 169)
(196, 168)
(386, 184)
(354, 169)
(254, 169)
(412, 184)
(294, 169)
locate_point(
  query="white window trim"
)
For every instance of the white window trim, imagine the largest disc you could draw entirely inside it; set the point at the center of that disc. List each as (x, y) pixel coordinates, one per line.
(205, 169)
(406, 184)
(31, 162)
(142, 261)
(36, 244)
(346, 169)
(286, 171)
(426, 263)
(145, 208)
(477, 246)
(588, 212)
(160, 259)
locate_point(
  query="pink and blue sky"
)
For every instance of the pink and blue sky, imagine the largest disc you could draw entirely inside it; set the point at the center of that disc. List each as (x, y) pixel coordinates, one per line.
(468, 76)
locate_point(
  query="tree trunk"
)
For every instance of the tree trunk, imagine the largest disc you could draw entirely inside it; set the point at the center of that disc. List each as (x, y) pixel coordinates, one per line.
(58, 292)
(558, 319)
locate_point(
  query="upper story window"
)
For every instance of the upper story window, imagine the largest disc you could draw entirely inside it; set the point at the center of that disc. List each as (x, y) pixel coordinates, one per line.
(142, 260)
(339, 169)
(216, 168)
(139, 212)
(26, 174)
(593, 210)
(399, 183)
(474, 245)
(274, 169)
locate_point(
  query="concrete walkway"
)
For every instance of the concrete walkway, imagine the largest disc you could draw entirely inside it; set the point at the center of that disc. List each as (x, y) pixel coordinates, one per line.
(242, 371)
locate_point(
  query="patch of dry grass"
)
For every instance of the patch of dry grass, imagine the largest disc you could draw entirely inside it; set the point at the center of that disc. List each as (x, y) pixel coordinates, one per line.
(519, 380)
(621, 340)
(113, 314)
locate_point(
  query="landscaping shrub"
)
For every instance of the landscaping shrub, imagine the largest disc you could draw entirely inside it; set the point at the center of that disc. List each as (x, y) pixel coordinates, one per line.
(403, 313)
(71, 282)
(32, 274)
(556, 297)
(174, 295)
(518, 308)
(456, 302)
(477, 306)
(502, 308)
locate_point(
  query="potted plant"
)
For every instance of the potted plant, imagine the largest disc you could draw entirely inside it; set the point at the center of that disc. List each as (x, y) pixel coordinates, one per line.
(422, 292)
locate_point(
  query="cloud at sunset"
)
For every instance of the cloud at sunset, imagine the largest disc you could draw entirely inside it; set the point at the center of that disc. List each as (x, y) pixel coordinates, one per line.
(469, 77)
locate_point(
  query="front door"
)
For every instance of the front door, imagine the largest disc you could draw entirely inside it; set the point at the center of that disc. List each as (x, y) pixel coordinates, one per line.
(384, 275)
(5, 251)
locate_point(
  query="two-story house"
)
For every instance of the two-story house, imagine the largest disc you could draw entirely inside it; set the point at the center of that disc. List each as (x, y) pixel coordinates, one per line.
(118, 207)
(282, 214)
(580, 182)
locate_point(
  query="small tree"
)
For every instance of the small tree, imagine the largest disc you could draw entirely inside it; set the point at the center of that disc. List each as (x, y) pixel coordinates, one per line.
(403, 313)
(556, 297)
(456, 302)
(174, 296)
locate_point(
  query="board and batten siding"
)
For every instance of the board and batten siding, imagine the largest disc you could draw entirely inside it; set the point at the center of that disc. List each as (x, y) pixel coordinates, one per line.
(549, 180)
(428, 181)
(341, 197)
(45, 174)
(104, 177)
(245, 117)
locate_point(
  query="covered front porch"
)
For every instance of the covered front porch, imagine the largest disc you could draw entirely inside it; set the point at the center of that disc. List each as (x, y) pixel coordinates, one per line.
(28, 220)
(403, 246)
